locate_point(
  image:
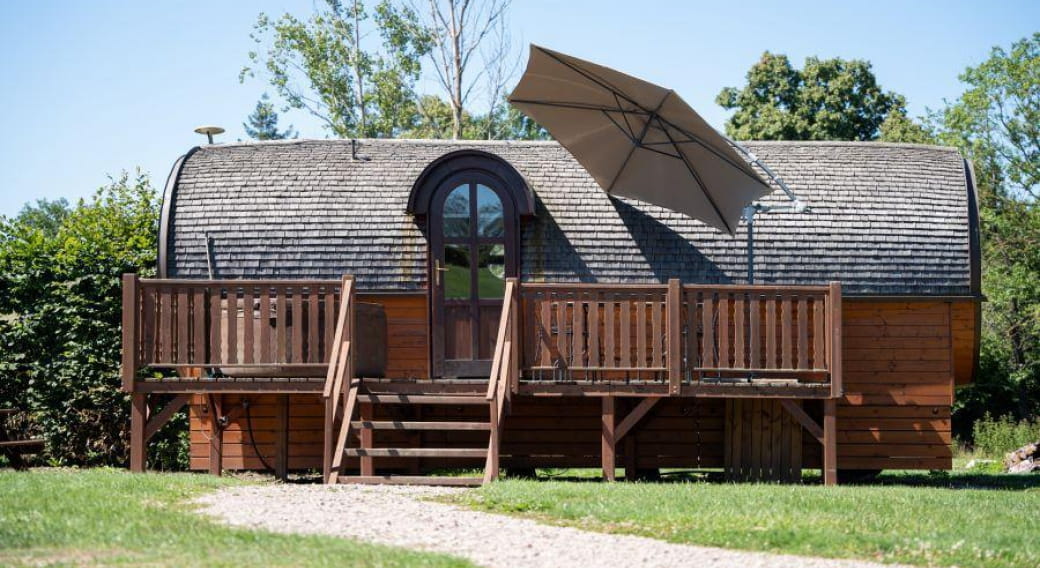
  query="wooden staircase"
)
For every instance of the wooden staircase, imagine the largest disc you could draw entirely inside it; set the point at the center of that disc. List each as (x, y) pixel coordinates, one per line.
(413, 405)
(378, 411)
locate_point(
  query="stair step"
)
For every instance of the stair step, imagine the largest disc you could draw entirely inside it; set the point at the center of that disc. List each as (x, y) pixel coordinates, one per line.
(421, 399)
(402, 425)
(417, 452)
(412, 480)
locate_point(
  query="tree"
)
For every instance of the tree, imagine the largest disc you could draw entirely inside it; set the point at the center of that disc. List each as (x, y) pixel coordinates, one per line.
(263, 123)
(996, 124)
(829, 99)
(325, 65)
(898, 127)
(60, 317)
(457, 30)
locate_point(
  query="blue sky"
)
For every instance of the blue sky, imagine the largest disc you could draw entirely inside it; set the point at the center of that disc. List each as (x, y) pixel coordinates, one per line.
(94, 88)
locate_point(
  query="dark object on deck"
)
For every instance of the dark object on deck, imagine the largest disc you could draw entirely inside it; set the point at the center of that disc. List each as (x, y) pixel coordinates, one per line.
(1024, 460)
(13, 446)
(370, 326)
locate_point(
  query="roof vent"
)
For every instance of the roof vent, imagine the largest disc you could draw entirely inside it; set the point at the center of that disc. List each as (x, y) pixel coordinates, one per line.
(209, 131)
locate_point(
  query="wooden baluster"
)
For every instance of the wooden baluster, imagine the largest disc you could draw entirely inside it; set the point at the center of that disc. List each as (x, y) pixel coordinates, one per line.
(562, 343)
(232, 323)
(708, 336)
(692, 337)
(641, 338)
(312, 325)
(786, 334)
(739, 332)
(166, 331)
(296, 344)
(149, 350)
(265, 325)
(625, 331)
(183, 326)
(594, 331)
(545, 331)
(198, 320)
(755, 332)
(281, 324)
(329, 299)
(216, 355)
(579, 348)
(657, 306)
(673, 307)
(609, 354)
(248, 326)
(803, 333)
(819, 334)
(771, 332)
(724, 309)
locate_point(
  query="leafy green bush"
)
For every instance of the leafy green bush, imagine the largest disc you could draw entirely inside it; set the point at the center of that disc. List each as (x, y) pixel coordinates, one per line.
(995, 437)
(60, 315)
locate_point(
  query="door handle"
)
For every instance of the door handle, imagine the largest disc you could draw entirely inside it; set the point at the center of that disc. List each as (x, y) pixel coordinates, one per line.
(437, 269)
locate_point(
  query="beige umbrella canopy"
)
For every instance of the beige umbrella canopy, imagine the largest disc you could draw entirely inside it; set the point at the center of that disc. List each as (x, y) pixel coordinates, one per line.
(638, 139)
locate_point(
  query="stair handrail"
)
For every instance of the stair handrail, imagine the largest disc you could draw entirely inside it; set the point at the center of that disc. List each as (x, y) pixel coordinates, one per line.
(340, 372)
(504, 372)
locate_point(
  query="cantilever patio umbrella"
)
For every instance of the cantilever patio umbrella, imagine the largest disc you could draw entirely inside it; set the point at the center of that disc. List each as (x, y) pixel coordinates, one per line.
(638, 139)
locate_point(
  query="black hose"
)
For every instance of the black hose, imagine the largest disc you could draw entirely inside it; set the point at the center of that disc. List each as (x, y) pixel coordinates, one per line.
(252, 439)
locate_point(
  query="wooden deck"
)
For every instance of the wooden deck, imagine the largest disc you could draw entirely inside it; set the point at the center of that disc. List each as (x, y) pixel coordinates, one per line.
(614, 342)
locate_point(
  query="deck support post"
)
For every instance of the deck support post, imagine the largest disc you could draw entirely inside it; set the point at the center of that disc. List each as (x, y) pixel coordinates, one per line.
(281, 441)
(216, 435)
(608, 441)
(138, 422)
(365, 435)
(830, 442)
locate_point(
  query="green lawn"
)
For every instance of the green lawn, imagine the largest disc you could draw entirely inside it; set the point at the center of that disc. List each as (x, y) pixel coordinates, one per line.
(111, 517)
(928, 520)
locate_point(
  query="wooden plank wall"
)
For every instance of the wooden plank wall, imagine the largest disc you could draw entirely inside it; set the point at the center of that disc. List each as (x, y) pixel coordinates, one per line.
(965, 321)
(900, 359)
(899, 368)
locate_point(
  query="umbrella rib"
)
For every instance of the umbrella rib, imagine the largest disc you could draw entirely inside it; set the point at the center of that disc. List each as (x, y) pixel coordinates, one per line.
(637, 143)
(631, 137)
(579, 106)
(691, 138)
(595, 79)
(696, 177)
(624, 115)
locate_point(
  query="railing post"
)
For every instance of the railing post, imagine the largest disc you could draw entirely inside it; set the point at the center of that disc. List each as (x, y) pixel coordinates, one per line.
(834, 303)
(130, 320)
(674, 310)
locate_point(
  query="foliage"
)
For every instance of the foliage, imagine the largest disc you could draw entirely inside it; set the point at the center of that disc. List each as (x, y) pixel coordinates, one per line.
(995, 437)
(462, 32)
(355, 89)
(105, 517)
(996, 124)
(898, 127)
(263, 123)
(60, 329)
(906, 518)
(829, 99)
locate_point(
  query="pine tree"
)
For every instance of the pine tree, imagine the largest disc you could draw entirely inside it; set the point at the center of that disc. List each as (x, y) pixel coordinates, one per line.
(263, 123)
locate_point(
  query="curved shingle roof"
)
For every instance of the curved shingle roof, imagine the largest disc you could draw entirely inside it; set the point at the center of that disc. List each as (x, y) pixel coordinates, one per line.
(886, 219)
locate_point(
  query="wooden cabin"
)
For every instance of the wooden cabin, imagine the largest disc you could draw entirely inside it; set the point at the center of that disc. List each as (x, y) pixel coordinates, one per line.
(381, 309)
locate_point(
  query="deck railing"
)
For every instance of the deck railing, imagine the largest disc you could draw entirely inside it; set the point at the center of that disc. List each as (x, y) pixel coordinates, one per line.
(340, 390)
(228, 326)
(678, 334)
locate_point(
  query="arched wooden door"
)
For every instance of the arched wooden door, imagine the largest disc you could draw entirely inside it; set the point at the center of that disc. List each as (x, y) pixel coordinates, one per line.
(472, 227)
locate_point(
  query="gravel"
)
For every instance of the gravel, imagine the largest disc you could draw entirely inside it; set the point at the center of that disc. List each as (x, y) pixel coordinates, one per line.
(399, 516)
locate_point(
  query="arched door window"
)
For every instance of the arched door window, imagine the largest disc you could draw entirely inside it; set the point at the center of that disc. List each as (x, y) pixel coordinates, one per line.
(473, 250)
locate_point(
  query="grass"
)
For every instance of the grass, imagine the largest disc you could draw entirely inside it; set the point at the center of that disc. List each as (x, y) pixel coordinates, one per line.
(958, 519)
(113, 518)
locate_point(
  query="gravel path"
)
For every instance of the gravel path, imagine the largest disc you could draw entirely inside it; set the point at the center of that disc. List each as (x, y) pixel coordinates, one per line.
(398, 516)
